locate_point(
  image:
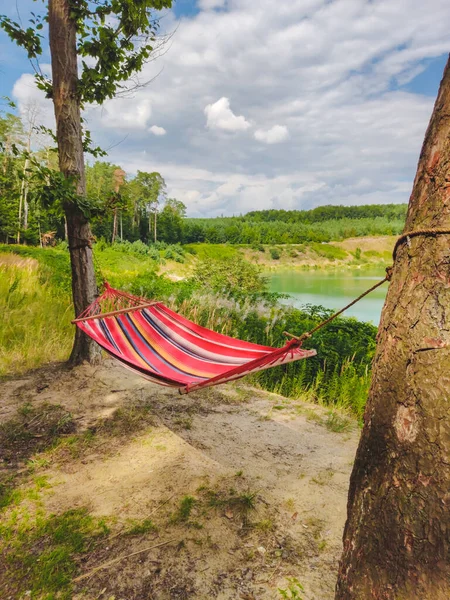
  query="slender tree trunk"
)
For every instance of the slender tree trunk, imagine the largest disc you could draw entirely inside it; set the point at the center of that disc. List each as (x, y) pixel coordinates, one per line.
(155, 225)
(397, 535)
(19, 219)
(114, 231)
(62, 32)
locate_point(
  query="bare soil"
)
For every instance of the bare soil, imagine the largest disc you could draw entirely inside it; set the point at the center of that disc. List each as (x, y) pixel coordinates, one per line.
(268, 480)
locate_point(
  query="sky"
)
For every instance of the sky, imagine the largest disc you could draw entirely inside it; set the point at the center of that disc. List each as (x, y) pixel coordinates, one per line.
(256, 105)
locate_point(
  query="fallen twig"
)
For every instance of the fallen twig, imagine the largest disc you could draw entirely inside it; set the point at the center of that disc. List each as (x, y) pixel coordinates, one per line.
(116, 560)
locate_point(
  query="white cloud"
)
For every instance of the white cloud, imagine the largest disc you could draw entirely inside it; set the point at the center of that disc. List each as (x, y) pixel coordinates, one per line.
(156, 130)
(210, 4)
(274, 135)
(220, 116)
(125, 113)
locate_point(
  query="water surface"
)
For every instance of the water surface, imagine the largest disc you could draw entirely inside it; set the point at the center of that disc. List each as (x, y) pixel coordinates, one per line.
(333, 289)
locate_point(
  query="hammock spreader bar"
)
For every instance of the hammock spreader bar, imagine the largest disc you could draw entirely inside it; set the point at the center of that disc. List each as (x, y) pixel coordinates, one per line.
(168, 349)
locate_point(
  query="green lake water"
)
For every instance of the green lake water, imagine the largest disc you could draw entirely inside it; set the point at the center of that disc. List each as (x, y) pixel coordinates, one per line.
(333, 289)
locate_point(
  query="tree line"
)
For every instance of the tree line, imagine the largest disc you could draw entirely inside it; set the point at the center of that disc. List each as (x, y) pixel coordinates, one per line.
(138, 208)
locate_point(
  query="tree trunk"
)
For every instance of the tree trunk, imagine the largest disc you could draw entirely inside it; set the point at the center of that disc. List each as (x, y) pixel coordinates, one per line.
(62, 33)
(114, 231)
(397, 535)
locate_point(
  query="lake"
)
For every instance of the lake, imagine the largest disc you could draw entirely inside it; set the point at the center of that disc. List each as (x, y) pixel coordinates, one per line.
(333, 289)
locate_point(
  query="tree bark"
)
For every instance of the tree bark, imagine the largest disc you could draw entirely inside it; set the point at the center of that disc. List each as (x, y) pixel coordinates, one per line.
(62, 33)
(397, 535)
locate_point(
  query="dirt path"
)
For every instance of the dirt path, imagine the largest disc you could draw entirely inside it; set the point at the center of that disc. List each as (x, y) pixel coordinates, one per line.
(266, 478)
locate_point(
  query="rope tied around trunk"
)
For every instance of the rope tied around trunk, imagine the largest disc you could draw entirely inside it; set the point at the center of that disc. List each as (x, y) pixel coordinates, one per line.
(405, 237)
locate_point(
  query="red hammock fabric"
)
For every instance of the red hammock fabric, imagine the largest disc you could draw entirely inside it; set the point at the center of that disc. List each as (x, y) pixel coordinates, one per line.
(164, 347)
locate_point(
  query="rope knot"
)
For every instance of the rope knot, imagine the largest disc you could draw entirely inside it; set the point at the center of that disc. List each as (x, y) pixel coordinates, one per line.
(389, 272)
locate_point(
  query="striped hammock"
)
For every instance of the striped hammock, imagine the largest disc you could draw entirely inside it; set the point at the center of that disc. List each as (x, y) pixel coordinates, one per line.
(164, 347)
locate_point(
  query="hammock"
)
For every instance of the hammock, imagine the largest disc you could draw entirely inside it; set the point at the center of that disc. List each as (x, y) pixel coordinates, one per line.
(168, 349)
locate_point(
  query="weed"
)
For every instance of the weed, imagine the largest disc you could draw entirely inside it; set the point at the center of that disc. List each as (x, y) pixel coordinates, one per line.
(126, 420)
(316, 526)
(241, 504)
(140, 527)
(290, 503)
(184, 511)
(323, 477)
(37, 463)
(265, 525)
(239, 473)
(337, 423)
(293, 589)
(184, 422)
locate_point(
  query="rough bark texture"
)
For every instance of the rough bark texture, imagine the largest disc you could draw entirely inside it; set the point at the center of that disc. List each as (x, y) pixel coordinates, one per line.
(397, 535)
(62, 32)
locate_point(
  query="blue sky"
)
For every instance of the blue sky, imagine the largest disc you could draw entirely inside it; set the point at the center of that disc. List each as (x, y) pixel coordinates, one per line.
(262, 105)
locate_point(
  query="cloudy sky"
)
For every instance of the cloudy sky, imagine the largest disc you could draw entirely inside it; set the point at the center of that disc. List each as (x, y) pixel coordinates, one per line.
(263, 104)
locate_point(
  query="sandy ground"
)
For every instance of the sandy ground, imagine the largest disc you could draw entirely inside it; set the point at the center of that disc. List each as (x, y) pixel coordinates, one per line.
(226, 442)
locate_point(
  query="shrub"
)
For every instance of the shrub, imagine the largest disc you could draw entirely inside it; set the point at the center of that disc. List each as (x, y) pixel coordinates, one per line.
(235, 278)
(275, 253)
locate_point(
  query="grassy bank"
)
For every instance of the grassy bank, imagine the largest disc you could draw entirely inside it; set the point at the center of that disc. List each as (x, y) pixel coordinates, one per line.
(35, 299)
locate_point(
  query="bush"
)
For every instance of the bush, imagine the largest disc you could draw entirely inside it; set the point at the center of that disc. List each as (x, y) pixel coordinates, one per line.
(275, 253)
(154, 254)
(237, 278)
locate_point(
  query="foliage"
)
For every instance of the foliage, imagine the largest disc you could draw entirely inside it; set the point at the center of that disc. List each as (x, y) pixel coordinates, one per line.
(274, 253)
(238, 278)
(114, 39)
(293, 590)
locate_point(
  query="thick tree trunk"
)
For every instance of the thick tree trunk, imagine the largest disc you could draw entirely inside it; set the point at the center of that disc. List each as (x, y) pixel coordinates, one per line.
(397, 535)
(62, 32)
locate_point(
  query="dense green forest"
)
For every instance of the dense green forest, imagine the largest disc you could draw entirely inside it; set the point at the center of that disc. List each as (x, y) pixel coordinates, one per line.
(138, 208)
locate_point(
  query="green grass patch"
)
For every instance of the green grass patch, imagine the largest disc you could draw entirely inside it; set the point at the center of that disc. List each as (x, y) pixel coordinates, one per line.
(140, 527)
(184, 511)
(212, 251)
(41, 553)
(329, 251)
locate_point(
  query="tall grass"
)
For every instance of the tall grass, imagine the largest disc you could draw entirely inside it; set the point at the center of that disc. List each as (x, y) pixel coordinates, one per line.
(35, 325)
